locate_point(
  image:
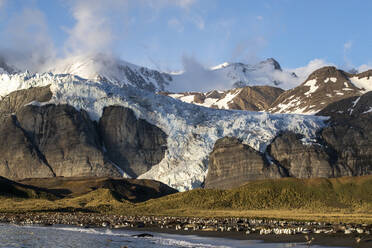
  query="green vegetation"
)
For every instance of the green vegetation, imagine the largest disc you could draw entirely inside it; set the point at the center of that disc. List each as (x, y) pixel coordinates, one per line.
(346, 199)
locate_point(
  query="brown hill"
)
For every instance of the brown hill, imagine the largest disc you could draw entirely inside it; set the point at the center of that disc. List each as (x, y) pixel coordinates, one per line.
(254, 98)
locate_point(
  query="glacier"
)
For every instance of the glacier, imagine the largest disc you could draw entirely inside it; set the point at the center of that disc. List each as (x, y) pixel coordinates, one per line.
(192, 130)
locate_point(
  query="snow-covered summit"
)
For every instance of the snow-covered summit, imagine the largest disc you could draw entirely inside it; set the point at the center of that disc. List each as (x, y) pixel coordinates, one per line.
(98, 67)
(226, 76)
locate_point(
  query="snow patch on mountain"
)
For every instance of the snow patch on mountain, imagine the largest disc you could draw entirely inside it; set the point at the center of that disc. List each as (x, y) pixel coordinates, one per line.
(220, 66)
(364, 83)
(313, 86)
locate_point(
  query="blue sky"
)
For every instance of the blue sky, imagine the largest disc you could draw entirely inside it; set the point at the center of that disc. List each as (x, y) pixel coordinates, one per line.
(158, 33)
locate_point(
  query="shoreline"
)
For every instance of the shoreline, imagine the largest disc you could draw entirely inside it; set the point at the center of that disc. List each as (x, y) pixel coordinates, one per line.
(266, 230)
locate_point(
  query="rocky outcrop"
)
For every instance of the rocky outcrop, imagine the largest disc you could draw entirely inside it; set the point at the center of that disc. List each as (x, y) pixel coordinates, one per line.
(343, 148)
(232, 163)
(253, 98)
(323, 87)
(66, 139)
(57, 140)
(352, 106)
(351, 140)
(19, 157)
(17, 99)
(300, 160)
(133, 144)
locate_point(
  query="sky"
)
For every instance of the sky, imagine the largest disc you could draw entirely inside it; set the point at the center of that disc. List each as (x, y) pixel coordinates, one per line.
(160, 33)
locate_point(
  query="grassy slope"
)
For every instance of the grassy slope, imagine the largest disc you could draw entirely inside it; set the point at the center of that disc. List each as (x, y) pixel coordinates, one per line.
(347, 199)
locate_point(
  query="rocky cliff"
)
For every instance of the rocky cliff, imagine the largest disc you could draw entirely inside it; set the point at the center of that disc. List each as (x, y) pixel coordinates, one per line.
(47, 140)
(132, 144)
(254, 98)
(323, 87)
(232, 163)
(344, 148)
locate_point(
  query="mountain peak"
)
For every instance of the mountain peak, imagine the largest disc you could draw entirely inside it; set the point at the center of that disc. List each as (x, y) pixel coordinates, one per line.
(273, 62)
(98, 67)
(328, 72)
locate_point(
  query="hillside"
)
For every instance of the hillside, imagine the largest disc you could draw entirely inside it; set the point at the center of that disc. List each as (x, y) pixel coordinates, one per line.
(339, 199)
(253, 98)
(323, 87)
(11, 189)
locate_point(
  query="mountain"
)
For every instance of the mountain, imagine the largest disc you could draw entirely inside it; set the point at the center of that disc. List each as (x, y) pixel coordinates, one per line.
(72, 129)
(352, 106)
(342, 148)
(323, 87)
(233, 75)
(55, 125)
(5, 68)
(100, 67)
(254, 98)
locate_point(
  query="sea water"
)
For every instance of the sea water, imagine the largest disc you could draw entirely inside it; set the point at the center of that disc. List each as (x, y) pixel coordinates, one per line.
(41, 236)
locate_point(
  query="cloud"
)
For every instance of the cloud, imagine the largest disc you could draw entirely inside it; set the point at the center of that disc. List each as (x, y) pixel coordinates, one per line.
(365, 67)
(175, 24)
(247, 51)
(348, 45)
(26, 41)
(93, 31)
(190, 15)
(185, 4)
(259, 18)
(303, 72)
(198, 21)
(197, 77)
(348, 65)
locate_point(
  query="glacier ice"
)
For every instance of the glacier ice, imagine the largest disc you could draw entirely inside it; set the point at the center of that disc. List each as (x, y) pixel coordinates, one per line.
(192, 130)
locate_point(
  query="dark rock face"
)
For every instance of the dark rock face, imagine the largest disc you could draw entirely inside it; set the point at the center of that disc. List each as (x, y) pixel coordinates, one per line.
(300, 160)
(232, 163)
(19, 158)
(344, 148)
(351, 140)
(66, 139)
(133, 144)
(50, 140)
(254, 98)
(352, 106)
(17, 99)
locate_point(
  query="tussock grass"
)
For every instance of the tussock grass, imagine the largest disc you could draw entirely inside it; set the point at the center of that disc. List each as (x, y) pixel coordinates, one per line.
(346, 199)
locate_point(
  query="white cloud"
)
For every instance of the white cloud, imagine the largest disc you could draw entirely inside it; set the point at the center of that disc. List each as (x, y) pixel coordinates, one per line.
(197, 77)
(365, 67)
(93, 31)
(185, 3)
(163, 3)
(303, 72)
(259, 18)
(198, 21)
(27, 43)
